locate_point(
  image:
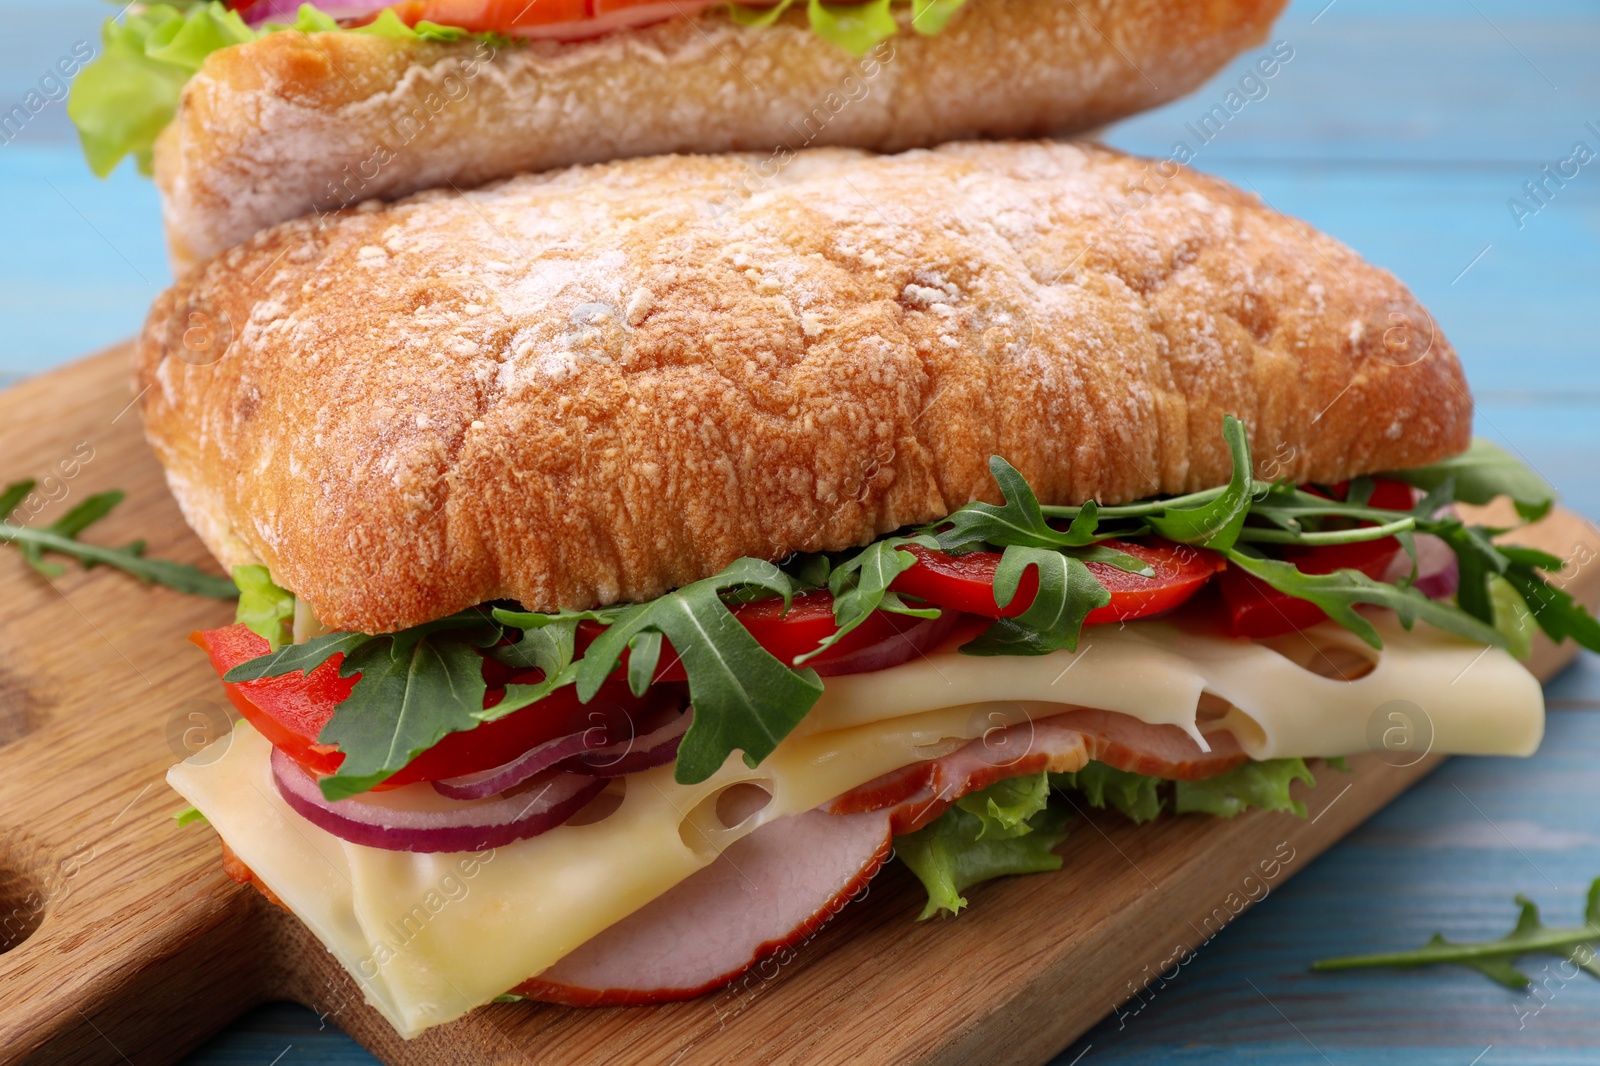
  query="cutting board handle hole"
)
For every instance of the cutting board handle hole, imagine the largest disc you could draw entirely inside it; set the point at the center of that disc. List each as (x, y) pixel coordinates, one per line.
(23, 901)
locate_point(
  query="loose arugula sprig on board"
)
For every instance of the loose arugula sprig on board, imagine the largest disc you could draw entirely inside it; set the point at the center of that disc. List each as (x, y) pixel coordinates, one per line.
(1496, 959)
(61, 538)
(418, 685)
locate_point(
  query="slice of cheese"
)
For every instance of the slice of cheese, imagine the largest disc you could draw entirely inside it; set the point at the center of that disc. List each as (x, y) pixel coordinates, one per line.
(429, 937)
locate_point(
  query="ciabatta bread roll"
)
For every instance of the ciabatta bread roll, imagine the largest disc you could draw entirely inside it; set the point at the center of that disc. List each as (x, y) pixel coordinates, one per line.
(604, 382)
(296, 123)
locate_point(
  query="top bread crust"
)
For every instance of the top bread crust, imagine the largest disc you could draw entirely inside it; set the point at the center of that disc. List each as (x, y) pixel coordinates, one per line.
(601, 383)
(295, 123)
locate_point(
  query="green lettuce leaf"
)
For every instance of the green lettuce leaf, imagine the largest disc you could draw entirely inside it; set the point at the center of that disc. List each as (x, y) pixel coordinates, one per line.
(1137, 796)
(854, 27)
(961, 848)
(746, 15)
(1512, 618)
(930, 16)
(267, 609)
(1263, 785)
(188, 816)
(1005, 807)
(125, 98)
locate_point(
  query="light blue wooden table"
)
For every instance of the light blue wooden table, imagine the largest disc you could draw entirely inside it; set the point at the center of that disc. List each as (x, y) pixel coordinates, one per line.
(1403, 128)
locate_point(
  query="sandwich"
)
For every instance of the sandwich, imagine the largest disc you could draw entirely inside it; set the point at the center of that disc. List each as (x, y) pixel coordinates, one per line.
(625, 573)
(262, 111)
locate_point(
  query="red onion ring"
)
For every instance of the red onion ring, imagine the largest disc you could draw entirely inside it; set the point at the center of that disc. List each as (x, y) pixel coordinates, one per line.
(543, 804)
(656, 748)
(486, 783)
(1442, 583)
(1438, 571)
(893, 650)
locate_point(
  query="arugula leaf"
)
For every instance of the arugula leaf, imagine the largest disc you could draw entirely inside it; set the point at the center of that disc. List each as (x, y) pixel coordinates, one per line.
(61, 538)
(1496, 959)
(267, 609)
(744, 699)
(474, 626)
(1005, 807)
(860, 585)
(1054, 620)
(1215, 524)
(11, 498)
(1135, 795)
(1482, 472)
(1338, 593)
(402, 706)
(1018, 521)
(1558, 614)
(1263, 785)
(70, 525)
(1477, 560)
(547, 644)
(298, 658)
(954, 851)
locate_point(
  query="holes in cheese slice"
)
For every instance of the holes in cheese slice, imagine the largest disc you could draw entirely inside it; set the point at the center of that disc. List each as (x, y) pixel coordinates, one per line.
(718, 818)
(1336, 654)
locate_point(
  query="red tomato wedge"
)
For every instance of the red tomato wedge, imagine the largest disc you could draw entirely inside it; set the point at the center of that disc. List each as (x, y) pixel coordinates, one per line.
(1252, 608)
(290, 711)
(966, 582)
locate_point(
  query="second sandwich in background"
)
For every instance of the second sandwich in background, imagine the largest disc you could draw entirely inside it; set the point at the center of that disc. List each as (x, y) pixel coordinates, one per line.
(247, 125)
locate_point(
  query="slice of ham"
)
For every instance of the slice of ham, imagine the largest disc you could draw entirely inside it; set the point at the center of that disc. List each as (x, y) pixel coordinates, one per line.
(776, 887)
(917, 794)
(768, 891)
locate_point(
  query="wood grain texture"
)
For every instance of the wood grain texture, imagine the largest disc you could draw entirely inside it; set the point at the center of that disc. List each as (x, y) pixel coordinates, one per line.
(143, 947)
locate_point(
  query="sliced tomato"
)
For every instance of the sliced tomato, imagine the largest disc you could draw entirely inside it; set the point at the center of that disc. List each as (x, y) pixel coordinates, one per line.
(290, 711)
(481, 16)
(966, 582)
(1252, 608)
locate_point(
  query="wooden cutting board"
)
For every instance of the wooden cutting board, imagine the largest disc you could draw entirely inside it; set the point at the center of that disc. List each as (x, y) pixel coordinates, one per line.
(126, 943)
